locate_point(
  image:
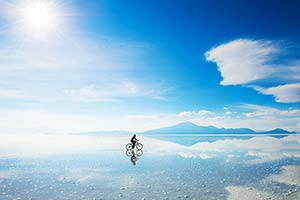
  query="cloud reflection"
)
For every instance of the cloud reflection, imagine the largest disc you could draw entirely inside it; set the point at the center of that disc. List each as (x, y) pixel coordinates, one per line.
(258, 149)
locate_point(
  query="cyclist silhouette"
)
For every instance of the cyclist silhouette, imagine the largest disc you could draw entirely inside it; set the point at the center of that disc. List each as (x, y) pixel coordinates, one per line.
(133, 141)
(134, 149)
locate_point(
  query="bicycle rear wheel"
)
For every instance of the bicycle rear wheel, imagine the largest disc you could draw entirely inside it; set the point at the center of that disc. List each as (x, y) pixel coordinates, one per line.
(129, 146)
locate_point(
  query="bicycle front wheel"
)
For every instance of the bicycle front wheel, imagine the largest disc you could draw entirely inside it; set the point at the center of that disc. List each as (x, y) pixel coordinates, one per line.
(139, 146)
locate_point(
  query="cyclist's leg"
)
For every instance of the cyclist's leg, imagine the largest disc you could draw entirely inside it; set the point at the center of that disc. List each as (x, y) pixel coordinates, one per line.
(133, 145)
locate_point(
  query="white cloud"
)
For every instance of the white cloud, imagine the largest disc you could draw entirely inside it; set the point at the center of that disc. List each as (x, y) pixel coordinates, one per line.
(186, 113)
(228, 112)
(246, 61)
(195, 113)
(266, 111)
(103, 92)
(205, 112)
(85, 92)
(259, 111)
(66, 54)
(67, 63)
(291, 112)
(113, 91)
(288, 93)
(243, 61)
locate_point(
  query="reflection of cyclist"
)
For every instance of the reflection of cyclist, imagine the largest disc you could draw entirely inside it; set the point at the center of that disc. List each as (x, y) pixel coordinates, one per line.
(133, 141)
(133, 158)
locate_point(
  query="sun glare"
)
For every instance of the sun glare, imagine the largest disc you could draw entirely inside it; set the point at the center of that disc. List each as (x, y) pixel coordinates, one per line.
(39, 17)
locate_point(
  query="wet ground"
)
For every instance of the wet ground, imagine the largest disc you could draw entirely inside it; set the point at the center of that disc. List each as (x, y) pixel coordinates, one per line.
(188, 167)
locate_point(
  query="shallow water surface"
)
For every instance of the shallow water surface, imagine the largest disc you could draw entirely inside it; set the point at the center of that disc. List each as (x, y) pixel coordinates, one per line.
(184, 167)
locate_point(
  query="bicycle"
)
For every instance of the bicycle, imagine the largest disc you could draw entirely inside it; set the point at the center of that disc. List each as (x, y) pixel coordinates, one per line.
(138, 146)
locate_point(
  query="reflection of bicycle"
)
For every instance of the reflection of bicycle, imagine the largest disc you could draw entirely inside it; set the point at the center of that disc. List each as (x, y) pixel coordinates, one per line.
(138, 146)
(138, 153)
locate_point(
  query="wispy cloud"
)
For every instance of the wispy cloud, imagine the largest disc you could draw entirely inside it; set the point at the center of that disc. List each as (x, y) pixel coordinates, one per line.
(114, 91)
(266, 111)
(66, 63)
(69, 53)
(195, 113)
(287, 93)
(103, 92)
(246, 61)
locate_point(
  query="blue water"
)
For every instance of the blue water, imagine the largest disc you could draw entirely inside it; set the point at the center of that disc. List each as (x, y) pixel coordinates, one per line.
(110, 173)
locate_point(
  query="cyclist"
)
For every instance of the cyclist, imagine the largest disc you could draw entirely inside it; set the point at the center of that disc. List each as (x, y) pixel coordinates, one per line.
(133, 141)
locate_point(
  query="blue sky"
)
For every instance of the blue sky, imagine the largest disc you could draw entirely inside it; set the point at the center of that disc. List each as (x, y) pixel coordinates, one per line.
(71, 66)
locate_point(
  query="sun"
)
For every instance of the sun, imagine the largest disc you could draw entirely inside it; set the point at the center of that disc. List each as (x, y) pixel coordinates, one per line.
(38, 18)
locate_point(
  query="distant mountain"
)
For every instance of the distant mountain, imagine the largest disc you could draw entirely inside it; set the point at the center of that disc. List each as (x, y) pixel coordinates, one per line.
(277, 131)
(191, 128)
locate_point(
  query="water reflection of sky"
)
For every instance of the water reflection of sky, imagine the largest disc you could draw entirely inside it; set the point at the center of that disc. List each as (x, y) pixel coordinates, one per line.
(96, 167)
